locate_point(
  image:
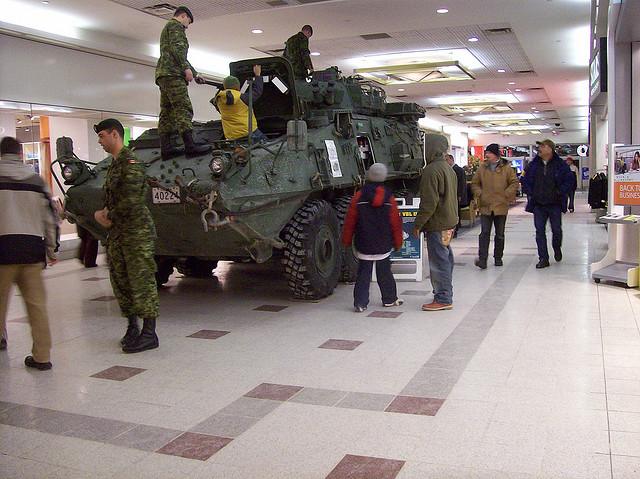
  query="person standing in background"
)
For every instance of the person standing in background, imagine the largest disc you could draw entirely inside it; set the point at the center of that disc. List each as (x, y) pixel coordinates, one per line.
(572, 193)
(28, 238)
(462, 189)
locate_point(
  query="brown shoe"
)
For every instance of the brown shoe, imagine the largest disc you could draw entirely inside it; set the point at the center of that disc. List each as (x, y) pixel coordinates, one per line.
(435, 306)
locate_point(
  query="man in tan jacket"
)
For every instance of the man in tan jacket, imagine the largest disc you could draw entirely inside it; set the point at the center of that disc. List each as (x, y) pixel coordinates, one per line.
(494, 185)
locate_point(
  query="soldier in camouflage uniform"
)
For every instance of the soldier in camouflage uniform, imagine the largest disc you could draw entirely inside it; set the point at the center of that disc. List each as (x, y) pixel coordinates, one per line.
(131, 238)
(173, 75)
(297, 52)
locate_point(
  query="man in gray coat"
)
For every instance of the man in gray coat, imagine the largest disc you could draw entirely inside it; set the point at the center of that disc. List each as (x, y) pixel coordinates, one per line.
(437, 217)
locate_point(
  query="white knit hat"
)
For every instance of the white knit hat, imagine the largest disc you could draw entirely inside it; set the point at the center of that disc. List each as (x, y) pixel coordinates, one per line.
(377, 173)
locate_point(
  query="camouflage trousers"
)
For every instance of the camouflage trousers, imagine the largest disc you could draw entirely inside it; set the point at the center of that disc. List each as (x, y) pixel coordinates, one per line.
(176, 111)
(132, 272)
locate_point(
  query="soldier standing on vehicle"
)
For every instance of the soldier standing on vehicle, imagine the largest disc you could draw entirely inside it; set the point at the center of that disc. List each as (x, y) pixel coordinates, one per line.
(131, 238)
(173, 75)
(297, 52)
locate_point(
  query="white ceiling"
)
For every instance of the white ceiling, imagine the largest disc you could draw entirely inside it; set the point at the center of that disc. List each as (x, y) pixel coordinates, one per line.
(546, 55)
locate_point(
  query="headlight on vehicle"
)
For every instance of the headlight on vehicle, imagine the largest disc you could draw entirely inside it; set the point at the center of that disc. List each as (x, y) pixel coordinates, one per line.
(71, 172)
(219, 163)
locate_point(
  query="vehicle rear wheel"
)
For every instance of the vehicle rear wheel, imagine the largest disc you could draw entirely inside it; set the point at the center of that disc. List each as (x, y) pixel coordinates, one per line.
(196, 268)
(312, 252)
(349, 265)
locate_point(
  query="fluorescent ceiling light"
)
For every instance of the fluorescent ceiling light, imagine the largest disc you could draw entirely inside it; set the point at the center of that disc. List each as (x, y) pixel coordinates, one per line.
(442, 10)
(503, 116)
(256, 31)
(476, 107)
(42, 18)
(479, 98)
(315, 54)
(523, 127)
(473, 39)
(463, 56)
(501, 70)
(416, 73)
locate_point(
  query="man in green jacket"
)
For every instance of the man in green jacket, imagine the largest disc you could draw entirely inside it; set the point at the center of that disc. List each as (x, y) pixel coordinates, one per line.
(173, 75)
(297, 52)
(494, 185)
(436, 218)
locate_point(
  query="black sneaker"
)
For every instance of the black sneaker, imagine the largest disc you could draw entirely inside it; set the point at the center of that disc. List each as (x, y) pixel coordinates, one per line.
(32, 363)
(543, 263)
(557, 254)
(482, 264)
(3, 344)
(499, 262)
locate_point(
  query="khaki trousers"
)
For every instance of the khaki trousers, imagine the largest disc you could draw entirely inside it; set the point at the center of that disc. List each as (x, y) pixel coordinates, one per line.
(28, 278)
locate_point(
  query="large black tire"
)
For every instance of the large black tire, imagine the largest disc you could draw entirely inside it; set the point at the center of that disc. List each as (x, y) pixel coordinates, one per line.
(313, 252)
(349, 267)
(196, 268)
(164, 269)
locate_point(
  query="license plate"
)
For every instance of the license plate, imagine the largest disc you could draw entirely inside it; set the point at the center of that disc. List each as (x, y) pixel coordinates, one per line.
(169, 195)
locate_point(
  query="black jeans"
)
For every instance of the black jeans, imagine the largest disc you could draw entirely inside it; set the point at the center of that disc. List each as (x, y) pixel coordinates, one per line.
(485, 236)
(386, 282)
(540, 215)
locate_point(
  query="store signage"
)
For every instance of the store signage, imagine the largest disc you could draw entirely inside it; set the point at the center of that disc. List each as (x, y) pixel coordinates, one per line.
(626, 186)
(598, 71)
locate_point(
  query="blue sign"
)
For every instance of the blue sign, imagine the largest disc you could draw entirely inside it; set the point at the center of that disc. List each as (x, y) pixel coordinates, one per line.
(585, 172)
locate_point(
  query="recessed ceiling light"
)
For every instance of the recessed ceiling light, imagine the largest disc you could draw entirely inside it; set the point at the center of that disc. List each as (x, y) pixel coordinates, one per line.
(501, 70)
(256, 30)
(473, 39)
(400, 89)
(45, 2)
(518, 89)
(442, 10)
(512, 83)
(315, 54)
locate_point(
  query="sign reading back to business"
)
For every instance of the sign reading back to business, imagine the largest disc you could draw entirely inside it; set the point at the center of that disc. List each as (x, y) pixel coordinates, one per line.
(626, 186)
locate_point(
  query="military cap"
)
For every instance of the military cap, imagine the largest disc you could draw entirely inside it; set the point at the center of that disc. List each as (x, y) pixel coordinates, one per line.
(230, 81)
(107, 124)
(185, 10)
(547, 142)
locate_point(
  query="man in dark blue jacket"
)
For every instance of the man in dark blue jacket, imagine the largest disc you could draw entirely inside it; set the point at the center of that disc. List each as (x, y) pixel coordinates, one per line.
(547, 181)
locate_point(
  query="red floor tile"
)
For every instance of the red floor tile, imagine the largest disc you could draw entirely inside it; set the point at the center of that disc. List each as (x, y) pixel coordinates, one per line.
(118, 373)
(276, 392)
(384, 314)
(341, 344)
(194, 446)
(104, 298)
(364, 467)
(208, 334)
(415, 405)
(274, 308)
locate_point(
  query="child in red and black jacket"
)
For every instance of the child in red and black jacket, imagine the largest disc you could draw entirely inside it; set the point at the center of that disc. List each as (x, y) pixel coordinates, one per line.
(373, 224)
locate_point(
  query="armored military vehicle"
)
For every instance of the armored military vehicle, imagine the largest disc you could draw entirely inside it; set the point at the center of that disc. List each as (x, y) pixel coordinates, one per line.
(289, 195)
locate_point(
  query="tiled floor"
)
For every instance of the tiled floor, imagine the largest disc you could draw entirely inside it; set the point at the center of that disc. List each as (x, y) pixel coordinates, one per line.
(532, 374)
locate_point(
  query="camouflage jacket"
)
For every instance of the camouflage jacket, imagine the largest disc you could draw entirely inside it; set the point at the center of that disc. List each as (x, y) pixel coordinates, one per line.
(173, 51)
(297, 52)
(125, 192)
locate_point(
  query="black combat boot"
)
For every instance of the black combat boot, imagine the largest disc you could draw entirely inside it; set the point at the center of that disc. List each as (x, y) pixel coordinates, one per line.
(146, 340)
(168, 147)
(191, 147)
(132, 332)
